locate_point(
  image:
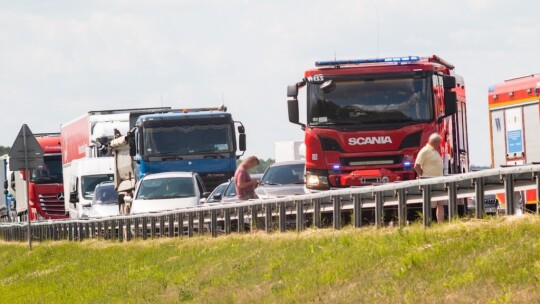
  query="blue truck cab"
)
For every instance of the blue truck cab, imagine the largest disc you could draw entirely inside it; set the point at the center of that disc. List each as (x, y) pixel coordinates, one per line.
(195, 140)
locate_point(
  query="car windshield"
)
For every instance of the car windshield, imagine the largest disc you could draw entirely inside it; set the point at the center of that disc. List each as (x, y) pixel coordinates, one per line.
(89, 183)
(283, 175)
(187, 137)
(379, 101)
(105, 194)
(51, 172)
(165, 188)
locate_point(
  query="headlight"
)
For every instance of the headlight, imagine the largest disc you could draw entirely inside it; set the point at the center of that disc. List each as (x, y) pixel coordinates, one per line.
(316, 181)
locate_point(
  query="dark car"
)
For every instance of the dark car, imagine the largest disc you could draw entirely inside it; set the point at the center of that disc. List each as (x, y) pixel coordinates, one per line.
(226, 192)
(282, 179)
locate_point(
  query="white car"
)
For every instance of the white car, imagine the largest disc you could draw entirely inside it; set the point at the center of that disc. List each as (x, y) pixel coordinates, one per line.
(104, 202)
(168, 191)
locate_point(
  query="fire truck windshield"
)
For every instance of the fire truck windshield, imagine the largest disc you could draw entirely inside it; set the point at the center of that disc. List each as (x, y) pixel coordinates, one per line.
(177, 138)
(50, 173)
(375, 101)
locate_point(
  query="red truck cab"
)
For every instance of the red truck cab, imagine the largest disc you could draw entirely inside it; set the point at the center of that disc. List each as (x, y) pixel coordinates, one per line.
(368, 118)
(46, 190)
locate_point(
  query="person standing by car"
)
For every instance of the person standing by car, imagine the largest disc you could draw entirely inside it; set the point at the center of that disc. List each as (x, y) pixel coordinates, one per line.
(245, 187)
(429, 163)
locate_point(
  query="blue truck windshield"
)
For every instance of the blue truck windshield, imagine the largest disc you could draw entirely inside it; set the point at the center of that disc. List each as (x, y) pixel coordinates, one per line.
(181, 138)
(374, 101)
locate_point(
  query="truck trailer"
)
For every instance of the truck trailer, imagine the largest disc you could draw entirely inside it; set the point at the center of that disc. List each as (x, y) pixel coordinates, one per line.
(87, 158)
(46, 193)
(367, 119)
(514, 120)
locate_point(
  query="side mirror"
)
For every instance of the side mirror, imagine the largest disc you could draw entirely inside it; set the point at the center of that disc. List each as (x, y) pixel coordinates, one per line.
(73, 198)
(292, 91)
(217, 196)
(241, 129)
(294, 112)
(206, 194)
(242, 142)
(450, 103)
(6, 192)
(6, 185)
(449, 82)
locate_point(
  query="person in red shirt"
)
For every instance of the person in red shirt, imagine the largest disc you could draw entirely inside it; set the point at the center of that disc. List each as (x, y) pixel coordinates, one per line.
(245, 187)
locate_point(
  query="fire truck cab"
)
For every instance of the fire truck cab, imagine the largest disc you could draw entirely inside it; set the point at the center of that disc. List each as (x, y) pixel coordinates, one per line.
(368, 118)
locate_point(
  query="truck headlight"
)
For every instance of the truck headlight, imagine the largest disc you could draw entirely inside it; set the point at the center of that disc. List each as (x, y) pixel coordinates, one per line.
(317, 180)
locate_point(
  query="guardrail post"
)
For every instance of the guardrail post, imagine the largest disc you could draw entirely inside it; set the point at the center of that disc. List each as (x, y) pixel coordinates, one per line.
(171, 225)
(153, 225)
(402, 207)
(227, 220)
(426, 205)
(253, 218)
(81, 231)
(379, 205)
(213, 222)
(299, 215)
(316, 212)
(268, 218)
(128, 229)
(282, 216)
(452, 200)
(120, 230)
(144, 228)
(336, 203)
(201, 223)
(240, 211)
(92, 230)
(70, 232)
(357, 210)
(190, 224)
(509, 194)
(180, 224)
(479, 197)
(162, 226)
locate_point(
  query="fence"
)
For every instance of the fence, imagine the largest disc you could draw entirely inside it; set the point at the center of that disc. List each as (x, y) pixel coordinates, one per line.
(297, 211)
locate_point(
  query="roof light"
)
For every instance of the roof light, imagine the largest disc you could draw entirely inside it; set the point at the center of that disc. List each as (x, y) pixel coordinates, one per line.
(406, 59)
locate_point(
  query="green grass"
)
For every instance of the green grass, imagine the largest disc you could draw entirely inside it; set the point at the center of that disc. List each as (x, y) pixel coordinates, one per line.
(488, 261)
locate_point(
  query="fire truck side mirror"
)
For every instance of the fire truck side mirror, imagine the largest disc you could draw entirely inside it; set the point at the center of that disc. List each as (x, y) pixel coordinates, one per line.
(449, 82)
(292, 90)
(294, 112)
(450, 103)
(6, 185)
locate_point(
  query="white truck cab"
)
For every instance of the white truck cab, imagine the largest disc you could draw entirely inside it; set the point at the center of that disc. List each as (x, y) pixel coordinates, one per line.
(79, 184)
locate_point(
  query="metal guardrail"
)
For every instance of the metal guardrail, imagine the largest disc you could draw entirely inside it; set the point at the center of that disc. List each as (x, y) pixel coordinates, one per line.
(297, 211)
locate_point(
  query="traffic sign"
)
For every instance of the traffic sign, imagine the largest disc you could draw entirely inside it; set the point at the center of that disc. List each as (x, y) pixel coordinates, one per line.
(26, 154)
(25, 145)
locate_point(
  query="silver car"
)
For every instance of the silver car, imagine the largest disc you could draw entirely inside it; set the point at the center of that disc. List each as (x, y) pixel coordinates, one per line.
(282, 179)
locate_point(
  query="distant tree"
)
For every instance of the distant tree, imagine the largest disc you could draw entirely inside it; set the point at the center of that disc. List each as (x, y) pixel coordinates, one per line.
(4, 150)
(263, 164)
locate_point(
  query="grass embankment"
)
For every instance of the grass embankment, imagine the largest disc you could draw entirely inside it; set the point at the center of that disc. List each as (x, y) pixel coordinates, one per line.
(491, 261)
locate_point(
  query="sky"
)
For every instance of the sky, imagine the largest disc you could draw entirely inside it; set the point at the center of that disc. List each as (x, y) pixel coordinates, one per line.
(60, 59)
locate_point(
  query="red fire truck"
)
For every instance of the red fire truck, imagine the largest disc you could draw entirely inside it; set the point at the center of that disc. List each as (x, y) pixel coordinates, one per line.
(46, 193)
(514, 123)
(368, 118)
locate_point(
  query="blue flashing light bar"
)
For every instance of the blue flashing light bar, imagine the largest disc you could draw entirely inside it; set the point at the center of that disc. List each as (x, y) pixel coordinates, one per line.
(407, 164)
(336, 167)
(407, 59)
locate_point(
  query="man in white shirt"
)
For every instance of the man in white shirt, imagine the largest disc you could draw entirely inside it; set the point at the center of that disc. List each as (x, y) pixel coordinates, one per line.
(429, 163)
